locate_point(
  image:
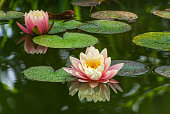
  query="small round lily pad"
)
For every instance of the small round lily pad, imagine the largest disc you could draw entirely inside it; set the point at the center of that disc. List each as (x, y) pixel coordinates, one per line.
(46, 73)
(105, 27)
(164, 14)
(131, 68)
(86, 3)
(163, 70)
(155, 40)
(10, 15)
(69, 40)
(57, 29)
(112, 15)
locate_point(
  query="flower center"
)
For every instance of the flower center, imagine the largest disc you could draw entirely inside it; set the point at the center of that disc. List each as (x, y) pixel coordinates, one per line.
(38, 14)
(93, 62)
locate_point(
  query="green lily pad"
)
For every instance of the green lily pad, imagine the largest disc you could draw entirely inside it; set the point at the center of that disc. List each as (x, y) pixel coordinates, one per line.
(10, 15)
(46, 73)
(86, 3)
(163, 70)
(131, 68)
(105, 27)
(112, 15)
(57, 29)
(155, 40)
(69, 40)
(71, 24)
(164, 14)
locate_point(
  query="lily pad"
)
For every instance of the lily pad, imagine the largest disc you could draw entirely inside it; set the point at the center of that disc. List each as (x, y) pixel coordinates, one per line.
(164, 14)
(46, 73)
(69, 40)
(105, 27)
(57, 29)
(10, 15)
(71, 24)
(155, 40)
(111, 15)
(163, 70)
(86, 3)
(131, 68)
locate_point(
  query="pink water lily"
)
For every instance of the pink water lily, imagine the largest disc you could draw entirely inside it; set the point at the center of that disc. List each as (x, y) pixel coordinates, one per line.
(36, 22)
(94, 67)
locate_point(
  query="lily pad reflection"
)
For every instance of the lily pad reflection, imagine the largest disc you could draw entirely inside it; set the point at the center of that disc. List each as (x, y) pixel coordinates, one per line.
(163, 70)
(163, 14)
(99, 93)
(86, 3)
(131, 68)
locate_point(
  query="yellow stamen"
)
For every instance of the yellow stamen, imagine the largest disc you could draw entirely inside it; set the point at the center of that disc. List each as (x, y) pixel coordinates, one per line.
(93, 62)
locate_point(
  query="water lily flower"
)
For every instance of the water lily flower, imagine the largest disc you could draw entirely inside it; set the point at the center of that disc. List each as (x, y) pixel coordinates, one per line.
(94, 67)
(36, 22)
(99, 93)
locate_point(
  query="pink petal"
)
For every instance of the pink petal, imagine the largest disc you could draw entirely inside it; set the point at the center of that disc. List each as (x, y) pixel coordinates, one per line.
(46, 19)
(117, 66)
(37, 22)
(107, 64)
(118, 87)
(113, 73)
(83, 80)
(113, 88)
(29, 24)
(103, 81)
(104, 53)
(75, 63)
(23, 28)
(67, 69)
(105, 75)
(75, 73)
(87, 50)
(113, 81)
(28, 46)
(93, 84)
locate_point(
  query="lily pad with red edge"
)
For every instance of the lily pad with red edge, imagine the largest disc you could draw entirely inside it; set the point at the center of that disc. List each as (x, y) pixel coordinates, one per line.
(131, 68)
(69, 40)
(47, 73)
(105, 27)
(65, 15)
(10, 15)
(154, 40)
(87, 3)
(112, 15)
(164, 14)
(163, 70)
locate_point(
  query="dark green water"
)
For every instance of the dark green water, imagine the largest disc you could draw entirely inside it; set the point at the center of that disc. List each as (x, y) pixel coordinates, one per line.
(146, 94)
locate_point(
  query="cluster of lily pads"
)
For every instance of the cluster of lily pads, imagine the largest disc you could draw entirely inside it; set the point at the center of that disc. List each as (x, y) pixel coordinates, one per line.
(106, 24)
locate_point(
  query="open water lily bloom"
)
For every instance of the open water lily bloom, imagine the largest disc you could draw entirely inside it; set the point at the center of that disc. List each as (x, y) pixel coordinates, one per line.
(94, 67)
(36, 22)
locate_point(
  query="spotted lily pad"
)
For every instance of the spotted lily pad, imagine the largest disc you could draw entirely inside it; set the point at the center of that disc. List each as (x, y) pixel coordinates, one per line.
(69, 40)
(163, 70)
(111, 15)
(131, 68)
(46, 73)
(57, 29)
(10, 15)
(86, 3)
(105, 27)
(164, 14)
(155, 40)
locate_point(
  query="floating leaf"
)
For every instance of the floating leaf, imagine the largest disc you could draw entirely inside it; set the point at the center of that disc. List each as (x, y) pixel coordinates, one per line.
(163, 70)
(57, 29)
(65, 15)
(155, 40)
(69, 40)
(105, 27)
(10, 15)
(46, 73)
(131, 68)
(111, 15)
(164, 14)
(71, 24)
(87, 3)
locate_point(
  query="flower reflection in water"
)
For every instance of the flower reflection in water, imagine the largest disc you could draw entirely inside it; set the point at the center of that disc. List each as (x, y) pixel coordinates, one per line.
(99, 93)
(29, 46)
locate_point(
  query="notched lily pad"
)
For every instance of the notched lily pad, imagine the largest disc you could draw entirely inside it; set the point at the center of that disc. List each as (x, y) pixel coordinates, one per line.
(164, 14)
(112, 15)
(86, 3)
(46, 73)
(105, 27)
(131, 68)
(155, 40)
(69, 40)
(10, 15)
(57, 29)
(163, 70)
